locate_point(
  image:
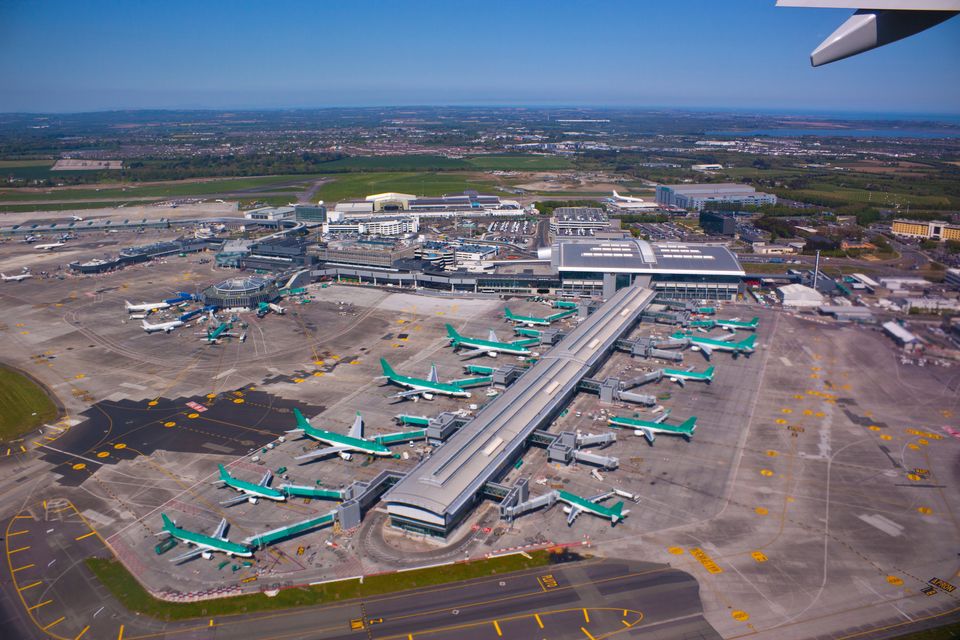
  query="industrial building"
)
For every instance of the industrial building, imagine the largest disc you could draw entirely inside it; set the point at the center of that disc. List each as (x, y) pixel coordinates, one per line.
(246, 292)
(935, 230)
(468, 202)
(436, 495)
(799, 296)
(777, 248)
(716, 223)
(696, 196)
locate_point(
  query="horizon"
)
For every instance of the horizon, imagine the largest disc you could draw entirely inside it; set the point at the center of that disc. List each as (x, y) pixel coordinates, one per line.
(112, 56)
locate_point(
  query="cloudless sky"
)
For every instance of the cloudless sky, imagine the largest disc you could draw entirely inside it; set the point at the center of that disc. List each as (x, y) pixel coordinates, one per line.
(95, 55)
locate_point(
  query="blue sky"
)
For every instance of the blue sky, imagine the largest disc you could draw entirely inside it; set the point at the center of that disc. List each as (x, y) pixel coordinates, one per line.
(95, 55)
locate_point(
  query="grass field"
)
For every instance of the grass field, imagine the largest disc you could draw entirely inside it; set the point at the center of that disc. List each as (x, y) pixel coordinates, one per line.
(358, 185)
(24, 405)
(395, 163)
(134, 597)
(25, 169)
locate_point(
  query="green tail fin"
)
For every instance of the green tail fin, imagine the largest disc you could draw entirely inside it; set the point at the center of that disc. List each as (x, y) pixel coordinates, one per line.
(507, 313)
(451, 331)
(167, 522)
(617, 510)
(387, 369)
(223, 472)
(709, 372)
(748, 343)
(690, 424)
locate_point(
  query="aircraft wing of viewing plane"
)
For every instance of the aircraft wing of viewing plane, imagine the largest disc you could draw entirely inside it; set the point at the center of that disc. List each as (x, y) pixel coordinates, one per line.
(18, 278)
(492, 346)
(680, 376)
(353, 441)
(709, 345)
(875, 23)
(531, 321)
(145, 306)
(204, 545)
(431, 386)
(578, 504)
(650, 428)
(248, 491)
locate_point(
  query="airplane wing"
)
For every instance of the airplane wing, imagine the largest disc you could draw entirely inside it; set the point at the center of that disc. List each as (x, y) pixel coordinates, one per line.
(681, 382)
(319, 453)
(221, 529)
(265, 480)
(356, 429)
(434, 376)
(875, 23)
(574, 512)
(707, 349)
(409, 393)
(647, 433)
(469, 355)
(600, 496)
(234, 500)
(492, 336)
(727, 338)
(189, 555)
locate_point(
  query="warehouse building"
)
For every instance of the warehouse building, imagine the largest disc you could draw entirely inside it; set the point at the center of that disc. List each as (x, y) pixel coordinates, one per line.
(696, 196)
(799, 296)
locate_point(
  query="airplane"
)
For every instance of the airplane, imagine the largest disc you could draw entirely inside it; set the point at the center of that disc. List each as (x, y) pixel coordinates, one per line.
(353, 441)
(145, 306)
(492, 346)
(30, 239)
(680, 376)
(580, 504)
(875, 23)
(734, 324)
(166, 327)
(249, 492)
(48, 247)
(650, 428)
(18, 278)
(222, 331)
(620, 198)
(204, 545)
(531, 320)
(431, 386)
(709, 345)
(76, 218)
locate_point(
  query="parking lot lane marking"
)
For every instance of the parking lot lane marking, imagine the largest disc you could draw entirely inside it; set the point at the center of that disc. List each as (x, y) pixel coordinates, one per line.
(27, 566)
(17, 550)
(586, 616)
(83, 631)
(86, 535)
(32, 584)
(536, 617)
(37, 606)
(55, 622)
(587, 633)
(496, 625)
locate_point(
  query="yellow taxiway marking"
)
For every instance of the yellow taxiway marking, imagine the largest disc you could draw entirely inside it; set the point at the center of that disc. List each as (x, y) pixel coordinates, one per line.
(536, 617)
(925, 510)
(120, 635)
(740, 616)
(587, 633)
(786, 410)
(169, 424)
(496, 626)
(886, 436)
(103, 454)
(120, 445)
(766, 472)
(706, 560)
(761, 511)
(759, 556)
(586, 616)
(676, 550)
(26, 566)
(17, 550)
(211, 622)
(913, 476)
(55, 622)
(80, 466)
(772, 453)
(873, 427)
(895, 580)
(37, 606)
(193, 416)
(237, 401)
(152, 403)
(32, 584)
(17, 533)
(86, 535)
(83, 631)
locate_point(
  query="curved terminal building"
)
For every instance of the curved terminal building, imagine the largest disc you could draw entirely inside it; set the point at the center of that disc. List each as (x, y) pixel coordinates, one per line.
(247, 292)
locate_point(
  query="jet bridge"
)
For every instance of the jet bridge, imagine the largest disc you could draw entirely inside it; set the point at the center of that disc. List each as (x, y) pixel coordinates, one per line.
(612, 390)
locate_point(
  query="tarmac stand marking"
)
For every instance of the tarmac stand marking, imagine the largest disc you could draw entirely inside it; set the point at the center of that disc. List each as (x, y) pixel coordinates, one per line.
(706, 560)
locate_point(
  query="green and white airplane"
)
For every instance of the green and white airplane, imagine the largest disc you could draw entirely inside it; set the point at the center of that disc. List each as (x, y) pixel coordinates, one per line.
(427, 389)
(735, 324)
(709, 345)
(650, 428)
(204, 545)
(680, 376)
(492, 346)
(578, 504)
(531, 321)
(344, 445)
(248, 490)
